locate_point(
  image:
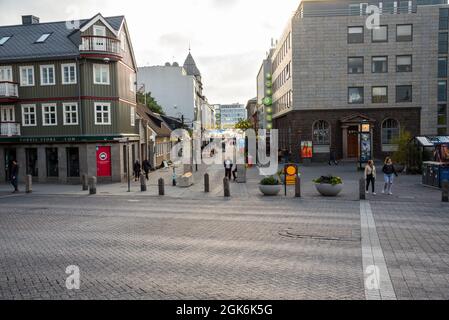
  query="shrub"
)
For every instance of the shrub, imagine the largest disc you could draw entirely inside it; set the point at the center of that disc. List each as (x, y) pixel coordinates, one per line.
(269, 181)
(329, 180)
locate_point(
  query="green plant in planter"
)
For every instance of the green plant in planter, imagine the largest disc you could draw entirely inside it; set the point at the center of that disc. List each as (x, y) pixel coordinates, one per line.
(329, 180)
(269, 181)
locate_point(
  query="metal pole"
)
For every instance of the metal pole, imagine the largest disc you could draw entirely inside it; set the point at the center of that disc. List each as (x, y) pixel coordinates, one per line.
(128, 166)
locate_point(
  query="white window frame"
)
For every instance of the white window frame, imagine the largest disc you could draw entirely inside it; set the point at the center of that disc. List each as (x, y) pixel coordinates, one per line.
(108, 104)
(68, 65)
(49, 66)
(44, 105)
(24, 82)
(65, 112)
(133, 116)
(7, 70)
(100, 67)
(28, 113)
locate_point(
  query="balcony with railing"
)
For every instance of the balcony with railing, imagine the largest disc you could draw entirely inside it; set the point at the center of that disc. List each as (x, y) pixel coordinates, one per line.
(100, 47)
(9, 91)
(9, 129)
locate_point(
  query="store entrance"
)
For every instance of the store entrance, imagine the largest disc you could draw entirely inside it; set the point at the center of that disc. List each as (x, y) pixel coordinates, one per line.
(10, 156)
(353, 142)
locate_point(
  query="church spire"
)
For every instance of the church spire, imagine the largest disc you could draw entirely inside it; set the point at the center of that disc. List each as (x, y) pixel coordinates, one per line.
(190, 65)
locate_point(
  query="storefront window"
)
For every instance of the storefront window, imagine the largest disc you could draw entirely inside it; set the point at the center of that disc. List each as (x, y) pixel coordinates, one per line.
(52, 162)
(73, 162)
(31, 162)
(321, 133)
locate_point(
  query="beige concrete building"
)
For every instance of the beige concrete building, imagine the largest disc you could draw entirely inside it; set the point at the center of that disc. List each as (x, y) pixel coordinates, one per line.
(331, 74)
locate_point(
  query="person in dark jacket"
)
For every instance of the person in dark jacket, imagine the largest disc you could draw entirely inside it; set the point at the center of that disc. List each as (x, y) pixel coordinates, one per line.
(146, 168)
(14, 176)
(136, 170)
(234, 172)
(389, 173)
(332, 158)
(228, 168)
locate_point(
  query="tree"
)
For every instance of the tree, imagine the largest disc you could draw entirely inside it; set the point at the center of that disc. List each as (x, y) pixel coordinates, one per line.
(151, 103)
(402, 141)
(407, 153)
(244, 125)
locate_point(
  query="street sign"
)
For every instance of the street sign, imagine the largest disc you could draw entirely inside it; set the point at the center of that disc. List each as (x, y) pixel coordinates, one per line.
(291, 174)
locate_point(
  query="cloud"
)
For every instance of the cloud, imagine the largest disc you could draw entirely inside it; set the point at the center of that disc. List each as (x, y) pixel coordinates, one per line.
(229, 38)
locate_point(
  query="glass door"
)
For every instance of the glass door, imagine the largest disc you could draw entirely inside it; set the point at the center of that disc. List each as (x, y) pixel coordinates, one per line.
(99, 38)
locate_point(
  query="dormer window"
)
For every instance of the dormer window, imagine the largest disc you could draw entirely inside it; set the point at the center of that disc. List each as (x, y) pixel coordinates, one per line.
(43, 38)
(3, 40)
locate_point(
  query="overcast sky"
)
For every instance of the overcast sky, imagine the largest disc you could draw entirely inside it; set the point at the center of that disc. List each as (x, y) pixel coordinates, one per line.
(228, 38)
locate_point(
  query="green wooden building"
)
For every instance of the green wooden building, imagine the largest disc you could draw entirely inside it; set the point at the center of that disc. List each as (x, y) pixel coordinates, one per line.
(68, 99)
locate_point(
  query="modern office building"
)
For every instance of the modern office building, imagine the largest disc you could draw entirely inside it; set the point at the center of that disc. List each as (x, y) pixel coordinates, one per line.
(178, 89)
(263, 91)
(332, 75)
(67, 99)
(231, 114)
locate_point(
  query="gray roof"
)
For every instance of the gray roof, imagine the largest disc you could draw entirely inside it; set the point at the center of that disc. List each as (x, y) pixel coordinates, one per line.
(61, 44)
(190, 66)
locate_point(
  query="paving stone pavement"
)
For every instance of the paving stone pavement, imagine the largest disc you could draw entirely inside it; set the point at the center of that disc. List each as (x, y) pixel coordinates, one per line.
(178, 249)
(415, 241)
(191, 245)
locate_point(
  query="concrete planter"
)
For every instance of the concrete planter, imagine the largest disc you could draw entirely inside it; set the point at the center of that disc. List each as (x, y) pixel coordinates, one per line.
(328, 190)
(270, 190)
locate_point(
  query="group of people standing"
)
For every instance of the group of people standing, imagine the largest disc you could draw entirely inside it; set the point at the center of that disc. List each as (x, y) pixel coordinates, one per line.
(230, 169)
(389, 172)
(137, 169)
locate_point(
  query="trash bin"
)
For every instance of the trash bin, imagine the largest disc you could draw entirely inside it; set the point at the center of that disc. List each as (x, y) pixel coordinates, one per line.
(436, 175)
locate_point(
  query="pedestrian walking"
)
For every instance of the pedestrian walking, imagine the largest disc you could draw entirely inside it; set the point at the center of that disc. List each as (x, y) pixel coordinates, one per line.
(370, 176)
(234, 172)
(146, 168)
(332, 158)
(389, 174)
(137, 169)
(228, 168)
(14, 176)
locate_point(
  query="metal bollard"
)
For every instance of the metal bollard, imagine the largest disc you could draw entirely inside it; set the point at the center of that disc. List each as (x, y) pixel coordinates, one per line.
(93, 185)
(161, 187)
(298, 187)
(29, 184)
(206, 183)
(85, 182)
(226, 188)
(445, 189)
(143, 183)
(362, 186)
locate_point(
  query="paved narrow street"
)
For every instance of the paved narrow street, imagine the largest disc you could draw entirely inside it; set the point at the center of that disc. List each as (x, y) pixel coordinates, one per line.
(191, 246)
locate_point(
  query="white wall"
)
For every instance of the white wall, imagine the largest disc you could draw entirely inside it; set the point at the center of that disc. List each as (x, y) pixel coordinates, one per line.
(171, 87)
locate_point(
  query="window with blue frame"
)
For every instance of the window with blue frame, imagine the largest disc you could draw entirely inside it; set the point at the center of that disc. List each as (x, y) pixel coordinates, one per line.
(442, 67)
(442, 43)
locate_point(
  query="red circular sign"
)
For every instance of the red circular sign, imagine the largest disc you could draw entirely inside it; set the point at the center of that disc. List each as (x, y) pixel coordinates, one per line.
(103, 156)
